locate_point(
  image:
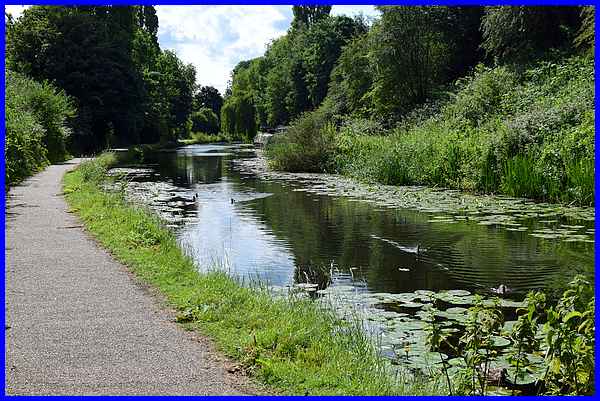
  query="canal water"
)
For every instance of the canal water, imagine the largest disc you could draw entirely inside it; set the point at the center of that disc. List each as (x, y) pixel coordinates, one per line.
(280, 232)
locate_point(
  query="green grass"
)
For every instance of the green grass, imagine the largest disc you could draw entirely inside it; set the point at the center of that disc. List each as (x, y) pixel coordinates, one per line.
(291, 344)
(201, 137)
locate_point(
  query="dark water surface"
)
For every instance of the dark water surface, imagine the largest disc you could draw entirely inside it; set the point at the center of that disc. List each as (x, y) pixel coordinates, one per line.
(274, 231)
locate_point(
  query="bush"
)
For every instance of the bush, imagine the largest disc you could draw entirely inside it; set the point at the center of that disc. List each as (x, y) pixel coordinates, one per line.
(36, 126)
(24, 150)
(205, 120)
(308, 145)
(523, 134)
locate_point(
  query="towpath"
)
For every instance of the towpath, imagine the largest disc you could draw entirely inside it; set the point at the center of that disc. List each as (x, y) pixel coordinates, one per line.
(77, 322)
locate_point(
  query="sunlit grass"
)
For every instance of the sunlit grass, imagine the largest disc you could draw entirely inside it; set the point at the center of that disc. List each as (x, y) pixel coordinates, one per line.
(201, 137)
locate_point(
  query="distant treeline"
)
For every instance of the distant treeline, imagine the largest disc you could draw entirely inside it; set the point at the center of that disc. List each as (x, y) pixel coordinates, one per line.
(106, 64)
(407, 56)
(492, 99)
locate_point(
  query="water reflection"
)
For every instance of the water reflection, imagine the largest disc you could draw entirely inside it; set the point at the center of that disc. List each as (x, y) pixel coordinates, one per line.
(278, 233)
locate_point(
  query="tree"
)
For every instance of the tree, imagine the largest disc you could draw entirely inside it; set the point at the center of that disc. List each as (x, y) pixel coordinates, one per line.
(305, 16)
(238, 117)
(205, 120)
(321, 46)
(352, 78)
(209, 97)
(409, 51)
(87, 52)
(518, 33)
(108, 59)
(177, 81)
(293, 75)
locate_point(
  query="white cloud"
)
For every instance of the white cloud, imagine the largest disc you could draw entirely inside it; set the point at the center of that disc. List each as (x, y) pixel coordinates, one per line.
(15, 10)
(366, 10)
(215, 38)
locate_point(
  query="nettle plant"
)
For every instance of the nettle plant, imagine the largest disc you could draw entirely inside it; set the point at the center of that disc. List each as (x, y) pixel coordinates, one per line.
(569, 336)
(563, 334)
(483, 326)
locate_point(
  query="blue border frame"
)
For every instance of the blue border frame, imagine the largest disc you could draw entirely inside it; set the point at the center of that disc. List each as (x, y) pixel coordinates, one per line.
(278, 2)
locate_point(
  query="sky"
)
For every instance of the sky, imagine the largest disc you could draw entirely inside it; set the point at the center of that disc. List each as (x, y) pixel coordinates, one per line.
(215, 38)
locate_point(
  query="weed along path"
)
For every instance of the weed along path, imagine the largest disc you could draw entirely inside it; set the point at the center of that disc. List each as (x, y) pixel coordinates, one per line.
(78, 323)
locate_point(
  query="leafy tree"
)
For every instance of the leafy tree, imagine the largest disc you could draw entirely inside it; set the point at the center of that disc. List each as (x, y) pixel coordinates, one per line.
(108, 59)
(293, 75)
(86, 51)
(205, 120)
(409, 51)
(321, 46)
(305, 16)
(176, 84)
(207, 96)
(352, 78)
(518, 33)
(238, 117)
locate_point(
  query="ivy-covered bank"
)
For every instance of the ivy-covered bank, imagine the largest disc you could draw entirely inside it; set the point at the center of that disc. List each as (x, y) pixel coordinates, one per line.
(291, 343)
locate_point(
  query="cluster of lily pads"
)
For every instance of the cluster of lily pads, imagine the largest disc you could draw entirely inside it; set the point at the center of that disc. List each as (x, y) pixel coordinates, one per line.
(174, 205)
(399, 323)
(446, 206)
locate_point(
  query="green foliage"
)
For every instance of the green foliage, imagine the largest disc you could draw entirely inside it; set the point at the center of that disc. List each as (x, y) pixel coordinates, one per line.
(107, 58)
(564, 333)
(587, 30)
(209, 97)
(289, 343)
(176, 82)
(307, 145)
(516, 33)
(238, 117)
(293, 75)
(351, 79)
(524, 332)
(304, 16)
(570, 337)
(201, 137)
(410, 51)
(37, 117)
(524, 134)
(205, 120)
(480, 95)
(46, 44)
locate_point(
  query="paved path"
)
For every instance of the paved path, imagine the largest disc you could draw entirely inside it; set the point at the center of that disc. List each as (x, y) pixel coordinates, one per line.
(78, 323)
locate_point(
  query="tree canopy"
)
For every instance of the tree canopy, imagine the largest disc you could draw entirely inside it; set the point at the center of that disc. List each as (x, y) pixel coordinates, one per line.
(126, 89)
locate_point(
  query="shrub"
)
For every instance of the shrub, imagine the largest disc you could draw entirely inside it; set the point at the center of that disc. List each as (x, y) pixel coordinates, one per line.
(308, 145)
(481, 95)
(205, 120)
(24, 150)
(36, 126)
(523, 134)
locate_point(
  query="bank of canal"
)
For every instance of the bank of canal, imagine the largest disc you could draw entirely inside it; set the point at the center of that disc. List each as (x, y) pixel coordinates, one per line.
(285, 228)
(392, 258)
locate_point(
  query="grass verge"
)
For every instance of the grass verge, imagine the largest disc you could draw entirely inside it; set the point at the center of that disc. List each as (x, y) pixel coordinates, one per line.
(290, 343)
(201, 137)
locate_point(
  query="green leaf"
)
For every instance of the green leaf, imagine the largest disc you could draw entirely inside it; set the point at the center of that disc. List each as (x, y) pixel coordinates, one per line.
(571, 315)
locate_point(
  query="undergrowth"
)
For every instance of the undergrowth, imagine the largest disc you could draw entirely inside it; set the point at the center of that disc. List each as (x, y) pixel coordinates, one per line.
(521, 133)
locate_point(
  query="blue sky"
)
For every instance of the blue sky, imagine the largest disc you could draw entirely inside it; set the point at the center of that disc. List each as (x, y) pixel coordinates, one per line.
(215, 38)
